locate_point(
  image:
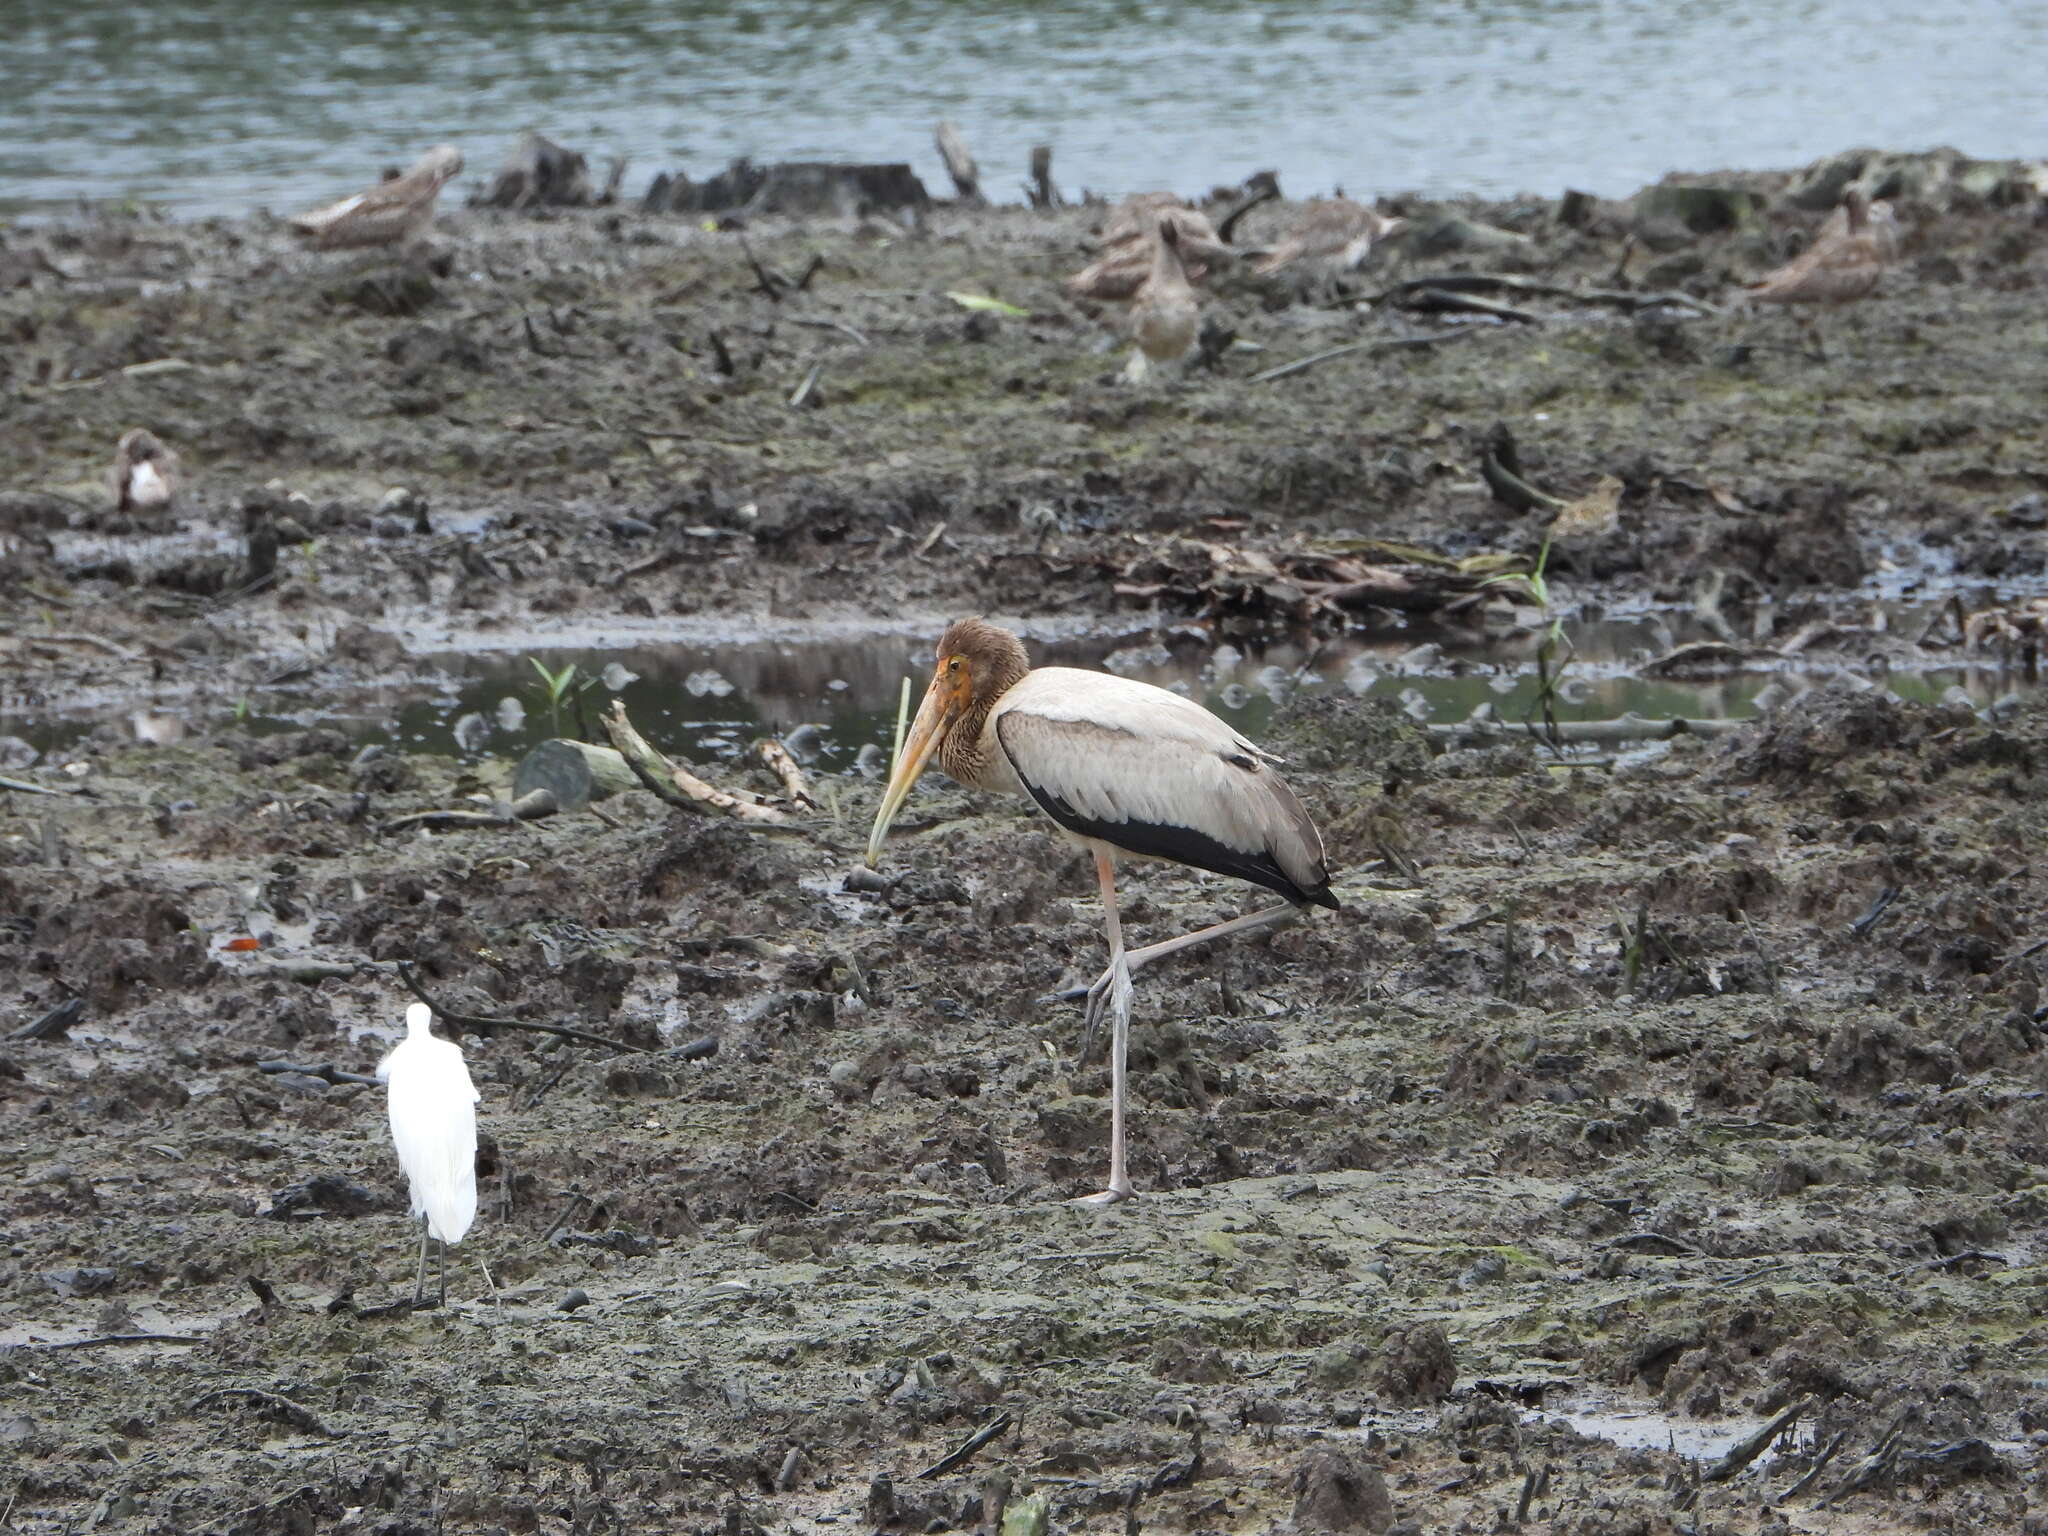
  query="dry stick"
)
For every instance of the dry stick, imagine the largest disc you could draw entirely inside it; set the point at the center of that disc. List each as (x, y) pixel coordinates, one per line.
(23, 787)
(1465, 303)
(327, 1072)
(818, 323)
(1747, 1449)
(779, 762)
(292, 1413)
(73, 637)
(55, 1022)
(807, 391)
(1622, 729)
(678, 786)
(531, 806)
(411, 979)
(968, 1447)
(124, 1338)
(1405, 343)
(1819, 1462)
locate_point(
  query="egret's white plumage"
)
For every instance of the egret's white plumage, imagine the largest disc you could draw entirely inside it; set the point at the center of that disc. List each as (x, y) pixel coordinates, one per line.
(433, 1125)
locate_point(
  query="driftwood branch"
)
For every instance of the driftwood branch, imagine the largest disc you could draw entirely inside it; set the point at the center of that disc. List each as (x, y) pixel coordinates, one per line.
(411, 979)
(974, 1442)
(678, 786)
(779, 762)
(1749, 1447)
(53, 1023)
(23, 787)
(107, 1340)
(1485, 726)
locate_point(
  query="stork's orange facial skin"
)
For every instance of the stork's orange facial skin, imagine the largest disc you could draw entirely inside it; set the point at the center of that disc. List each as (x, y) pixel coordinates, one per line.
(945, 702)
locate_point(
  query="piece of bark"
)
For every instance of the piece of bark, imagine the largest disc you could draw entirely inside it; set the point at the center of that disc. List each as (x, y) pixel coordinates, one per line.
(539, 173)
(1041, 191)
(780, 763)
(960, 165)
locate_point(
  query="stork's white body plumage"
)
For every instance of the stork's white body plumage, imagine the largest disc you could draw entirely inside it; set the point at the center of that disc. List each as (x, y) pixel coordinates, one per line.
(1127, 768)
(432, 1105)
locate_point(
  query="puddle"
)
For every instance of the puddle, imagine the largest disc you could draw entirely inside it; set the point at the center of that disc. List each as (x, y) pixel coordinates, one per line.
(831, 696)
(1643, 1427)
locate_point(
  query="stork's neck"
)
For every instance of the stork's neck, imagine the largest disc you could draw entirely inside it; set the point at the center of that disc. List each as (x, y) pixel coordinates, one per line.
(971, 755)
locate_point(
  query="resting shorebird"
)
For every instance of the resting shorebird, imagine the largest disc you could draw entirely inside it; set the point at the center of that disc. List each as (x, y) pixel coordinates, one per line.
(1337, 231)
(1842, 265)
(390, 213)
(1122, 270)
(1166, 319)
(145, 473)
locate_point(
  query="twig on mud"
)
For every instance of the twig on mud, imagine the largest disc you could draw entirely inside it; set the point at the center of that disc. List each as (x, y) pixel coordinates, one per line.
(1747, 1449)
(1827, 1455)
(807, 392)
(23, 787)
(780, 763)
(122, 1338)
(1878, 908)
(411, 979)
(531, 806)
(818, 323)
(678, 786)
(959, 1455)
(327, 1072)
(53, 1023)
(770, 283)
(1949, 1261)
(75, 637)
(577, 1199)
(296, 1414)
(1405, 343)
(2026, 954)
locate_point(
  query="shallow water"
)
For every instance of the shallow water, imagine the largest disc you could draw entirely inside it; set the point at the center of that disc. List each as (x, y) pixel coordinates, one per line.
(833, 697)
(222, 108)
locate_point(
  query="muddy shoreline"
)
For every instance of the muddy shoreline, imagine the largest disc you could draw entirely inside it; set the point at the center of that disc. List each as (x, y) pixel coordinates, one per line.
(1703, 1081)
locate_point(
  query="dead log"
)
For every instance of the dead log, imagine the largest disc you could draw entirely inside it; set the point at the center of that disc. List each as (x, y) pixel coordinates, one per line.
(678, 786)
(1041, 191)
(531, 806)
(960, 166)
(803, 188)
(576, 772)
(539, 173)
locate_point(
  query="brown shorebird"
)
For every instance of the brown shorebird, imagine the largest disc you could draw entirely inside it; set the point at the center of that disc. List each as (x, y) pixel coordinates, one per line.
(145, 473)
(390, 213)
(1166, 319)
(1842, 265)
(1120, 272)
(1337, 232)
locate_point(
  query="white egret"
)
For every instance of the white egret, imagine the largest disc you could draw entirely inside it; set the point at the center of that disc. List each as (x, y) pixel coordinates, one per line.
(433, 1125)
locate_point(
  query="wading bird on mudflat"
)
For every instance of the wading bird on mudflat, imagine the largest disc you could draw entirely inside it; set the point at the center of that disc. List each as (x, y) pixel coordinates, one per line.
(1122, 768)
(390, 213)
(145, 473)
(432, 1105)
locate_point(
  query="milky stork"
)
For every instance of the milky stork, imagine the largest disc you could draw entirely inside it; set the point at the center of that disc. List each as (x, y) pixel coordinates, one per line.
(1123, 768)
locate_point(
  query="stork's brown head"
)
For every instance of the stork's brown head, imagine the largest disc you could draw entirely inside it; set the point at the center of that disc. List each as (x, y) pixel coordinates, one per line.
(977, 663)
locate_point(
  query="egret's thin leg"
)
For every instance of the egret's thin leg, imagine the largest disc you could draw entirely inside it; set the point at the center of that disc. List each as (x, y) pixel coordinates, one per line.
(419, 1279)
(1120, 1037)
(1098, 993)
(441, 1253)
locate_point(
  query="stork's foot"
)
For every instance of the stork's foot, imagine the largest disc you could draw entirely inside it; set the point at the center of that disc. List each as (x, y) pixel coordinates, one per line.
(1111, 1196)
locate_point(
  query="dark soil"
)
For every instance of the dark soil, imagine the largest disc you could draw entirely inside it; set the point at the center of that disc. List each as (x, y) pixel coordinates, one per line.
(1702, 1082)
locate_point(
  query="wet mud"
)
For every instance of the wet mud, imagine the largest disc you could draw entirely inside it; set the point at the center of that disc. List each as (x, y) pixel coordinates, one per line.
(1682, 1087)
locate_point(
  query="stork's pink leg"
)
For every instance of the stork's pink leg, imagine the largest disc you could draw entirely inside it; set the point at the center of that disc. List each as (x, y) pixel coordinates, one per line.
(1120, 1036)
(1098, 994)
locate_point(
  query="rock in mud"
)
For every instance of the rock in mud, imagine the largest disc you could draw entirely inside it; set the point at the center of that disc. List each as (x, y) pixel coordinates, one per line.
(1339, 1490)
(1416, 1366)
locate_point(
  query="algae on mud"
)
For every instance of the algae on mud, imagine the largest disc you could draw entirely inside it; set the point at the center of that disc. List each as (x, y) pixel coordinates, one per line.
(1609, 1090)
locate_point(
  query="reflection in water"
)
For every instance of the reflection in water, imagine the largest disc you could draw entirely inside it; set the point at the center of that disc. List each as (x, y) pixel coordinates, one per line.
(707, 704)
(224, 107)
